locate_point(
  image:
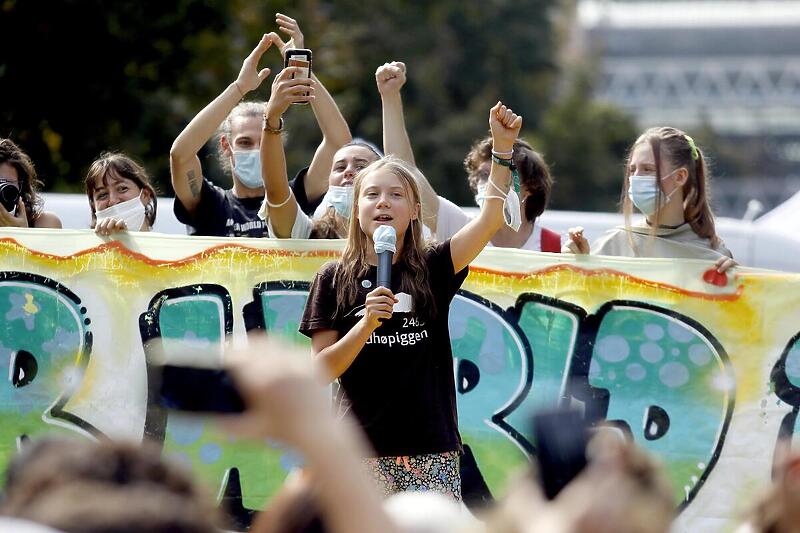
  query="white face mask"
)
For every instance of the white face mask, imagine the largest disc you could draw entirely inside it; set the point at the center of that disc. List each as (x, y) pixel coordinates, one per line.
(131, 211)
(340, 198)
(247, 166)
(643, 193)
(512, 210)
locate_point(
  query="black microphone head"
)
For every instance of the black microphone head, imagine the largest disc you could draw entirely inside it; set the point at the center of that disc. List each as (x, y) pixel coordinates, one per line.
(385, 239)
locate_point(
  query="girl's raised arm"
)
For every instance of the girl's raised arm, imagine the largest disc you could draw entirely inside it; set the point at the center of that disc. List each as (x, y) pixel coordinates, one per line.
(278, 196)
(334, 128)
(472, 238)
(184, 165)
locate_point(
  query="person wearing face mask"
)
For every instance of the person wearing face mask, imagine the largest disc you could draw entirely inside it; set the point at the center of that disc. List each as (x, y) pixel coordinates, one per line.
(524, 202)
(281, 208)
(213, 211)
(666, 179)
(121, 196)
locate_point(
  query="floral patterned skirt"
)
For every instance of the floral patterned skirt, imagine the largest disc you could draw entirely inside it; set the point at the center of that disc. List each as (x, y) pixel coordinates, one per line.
(436, 472)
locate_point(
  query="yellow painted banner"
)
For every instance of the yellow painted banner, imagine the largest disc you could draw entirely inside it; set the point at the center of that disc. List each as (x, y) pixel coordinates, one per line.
(702, 371)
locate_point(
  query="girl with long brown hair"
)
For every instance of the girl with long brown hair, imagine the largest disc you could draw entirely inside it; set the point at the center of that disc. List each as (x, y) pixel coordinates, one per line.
(666, 179)
(389, 347)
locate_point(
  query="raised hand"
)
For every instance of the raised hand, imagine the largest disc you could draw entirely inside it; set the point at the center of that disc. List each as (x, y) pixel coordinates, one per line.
(505, 126)
(379, 306)
(577, 243)
(249, 76)
(20, 220)
(289, 26)
(286, 90)
(390, 77)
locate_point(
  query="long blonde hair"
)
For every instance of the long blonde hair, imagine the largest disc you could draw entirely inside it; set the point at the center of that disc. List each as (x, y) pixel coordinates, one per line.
(353, 264)
(679, 149)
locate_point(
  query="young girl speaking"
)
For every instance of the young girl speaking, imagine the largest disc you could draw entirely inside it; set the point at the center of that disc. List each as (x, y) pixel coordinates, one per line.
(390, 349)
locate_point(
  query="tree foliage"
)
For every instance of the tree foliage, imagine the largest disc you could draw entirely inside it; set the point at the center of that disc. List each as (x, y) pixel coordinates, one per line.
(84, 76)
(586, 143)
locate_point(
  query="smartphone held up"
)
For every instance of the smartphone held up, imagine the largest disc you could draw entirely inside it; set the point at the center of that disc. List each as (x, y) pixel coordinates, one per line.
(301, 58)
(561, 438)
(198, 390)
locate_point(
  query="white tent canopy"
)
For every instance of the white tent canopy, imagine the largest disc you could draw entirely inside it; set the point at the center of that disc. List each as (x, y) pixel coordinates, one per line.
(785, 218)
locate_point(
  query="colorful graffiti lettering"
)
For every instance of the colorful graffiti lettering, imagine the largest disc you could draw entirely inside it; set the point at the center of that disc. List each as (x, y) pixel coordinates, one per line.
(45, 343)
(659, 376)
(672, 367)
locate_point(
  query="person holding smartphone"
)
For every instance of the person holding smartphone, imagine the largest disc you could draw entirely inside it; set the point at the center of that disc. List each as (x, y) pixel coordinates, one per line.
(282, 208)
(209, 209)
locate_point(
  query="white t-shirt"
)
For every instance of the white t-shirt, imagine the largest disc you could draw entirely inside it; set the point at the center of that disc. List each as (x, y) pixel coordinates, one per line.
(302, 223)
(452, 218)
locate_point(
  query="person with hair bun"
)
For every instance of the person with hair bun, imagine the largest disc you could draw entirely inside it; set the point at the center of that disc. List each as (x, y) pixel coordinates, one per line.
(666, 179)
(17, 169)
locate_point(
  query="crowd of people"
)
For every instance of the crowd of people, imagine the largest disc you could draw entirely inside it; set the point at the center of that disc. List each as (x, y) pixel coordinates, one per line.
(394, 429)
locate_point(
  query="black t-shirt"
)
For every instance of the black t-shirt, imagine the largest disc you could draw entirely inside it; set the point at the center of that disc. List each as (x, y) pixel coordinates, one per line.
(400, 386)
(222, 214)
(298, 186)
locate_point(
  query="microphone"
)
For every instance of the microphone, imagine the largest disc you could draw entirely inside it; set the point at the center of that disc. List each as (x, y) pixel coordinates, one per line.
(385, 238)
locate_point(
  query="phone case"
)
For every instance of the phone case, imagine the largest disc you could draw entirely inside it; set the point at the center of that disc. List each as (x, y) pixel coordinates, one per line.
(299, 57)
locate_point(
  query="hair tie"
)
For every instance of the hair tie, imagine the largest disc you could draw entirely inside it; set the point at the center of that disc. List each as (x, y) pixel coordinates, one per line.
(695, 153)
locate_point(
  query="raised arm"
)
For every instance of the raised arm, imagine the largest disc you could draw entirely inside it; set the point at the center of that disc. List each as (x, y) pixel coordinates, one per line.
(472, 238)
(185, 169)
(335, 132)
(390, 78)
(282, 207)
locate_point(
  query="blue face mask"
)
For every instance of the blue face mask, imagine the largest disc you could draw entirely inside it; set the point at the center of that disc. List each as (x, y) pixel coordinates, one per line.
(247, 167)
(643, 193)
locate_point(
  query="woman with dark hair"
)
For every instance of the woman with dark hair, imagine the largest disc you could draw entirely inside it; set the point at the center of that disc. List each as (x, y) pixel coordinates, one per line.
(523, 205)
(22, 205)
(120, 194)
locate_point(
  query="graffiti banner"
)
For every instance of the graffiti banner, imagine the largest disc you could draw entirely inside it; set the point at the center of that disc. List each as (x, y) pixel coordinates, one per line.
(701, 369)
